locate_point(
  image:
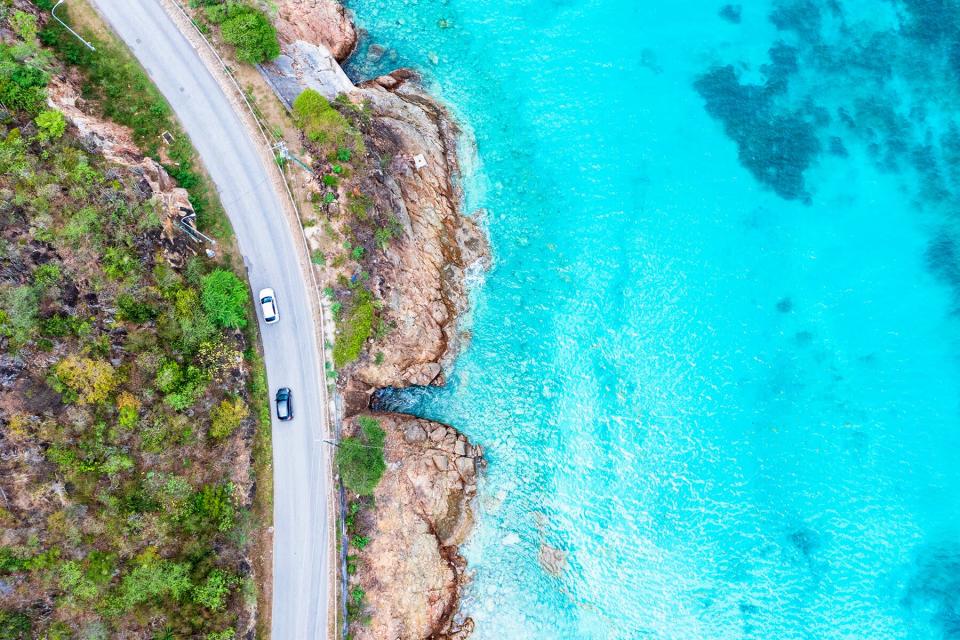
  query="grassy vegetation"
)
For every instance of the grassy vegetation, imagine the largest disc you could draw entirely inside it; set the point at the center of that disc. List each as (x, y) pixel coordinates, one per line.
(361, 464)
(325, 126)
(360, 458)
(332, 131)
(124, 512)
(244, 26)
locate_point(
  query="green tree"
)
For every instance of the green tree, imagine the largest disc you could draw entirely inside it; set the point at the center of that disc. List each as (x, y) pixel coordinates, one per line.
(250, 31)
(360, 458)
(224, 298)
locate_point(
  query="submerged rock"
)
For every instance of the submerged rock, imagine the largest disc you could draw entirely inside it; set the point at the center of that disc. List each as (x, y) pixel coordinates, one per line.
(554, 561)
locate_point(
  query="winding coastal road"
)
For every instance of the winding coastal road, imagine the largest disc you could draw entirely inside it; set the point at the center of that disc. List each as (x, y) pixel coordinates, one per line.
(301, 468)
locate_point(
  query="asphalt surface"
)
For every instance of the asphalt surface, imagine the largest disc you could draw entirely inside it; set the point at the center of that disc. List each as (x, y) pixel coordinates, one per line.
(300, 560)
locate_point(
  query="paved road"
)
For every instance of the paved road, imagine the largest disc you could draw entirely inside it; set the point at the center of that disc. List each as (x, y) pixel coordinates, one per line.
(300, 565)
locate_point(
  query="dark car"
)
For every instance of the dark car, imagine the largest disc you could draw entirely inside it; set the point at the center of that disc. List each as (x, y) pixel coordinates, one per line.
(284, 404)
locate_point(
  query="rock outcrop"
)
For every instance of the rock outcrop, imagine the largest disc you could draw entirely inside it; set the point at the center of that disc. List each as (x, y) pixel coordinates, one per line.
(324, 22)
(115, 143)
(422, 275)
(411, 570)
(305, 65)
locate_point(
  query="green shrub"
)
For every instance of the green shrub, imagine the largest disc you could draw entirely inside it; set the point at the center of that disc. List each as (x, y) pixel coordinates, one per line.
(319, 121)
(354, 331)
(210, 509)
(360, 458)
(357, 594)
(46, 275)
(227, 416)
(192, 384)
(75, 582)
(153, 579)
(119, 263)
(82, 226)
(15, 625)
(11, 562)
(330, 180)
(247, 29)
(24, 25)
(360, 542)
(215, 590)
(22, 87)
(91, 381)
(51, 124)
(225, 299)
(169, 376)
(18, 317)
(132, 310)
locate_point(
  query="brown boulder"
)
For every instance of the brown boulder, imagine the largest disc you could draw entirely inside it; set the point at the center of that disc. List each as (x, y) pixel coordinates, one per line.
(323, 22)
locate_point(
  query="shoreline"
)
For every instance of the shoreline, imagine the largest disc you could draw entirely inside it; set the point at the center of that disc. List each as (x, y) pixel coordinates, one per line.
(421, 281)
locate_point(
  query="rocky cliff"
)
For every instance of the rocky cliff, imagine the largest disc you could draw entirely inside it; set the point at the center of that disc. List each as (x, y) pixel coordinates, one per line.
(421, 277)
(412, 571)
(115, 143)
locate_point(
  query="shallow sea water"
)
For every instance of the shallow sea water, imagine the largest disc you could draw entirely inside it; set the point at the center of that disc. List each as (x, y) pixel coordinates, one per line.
(715, 362)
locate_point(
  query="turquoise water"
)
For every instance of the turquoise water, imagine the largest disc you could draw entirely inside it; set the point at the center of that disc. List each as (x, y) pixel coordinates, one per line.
(716, 360)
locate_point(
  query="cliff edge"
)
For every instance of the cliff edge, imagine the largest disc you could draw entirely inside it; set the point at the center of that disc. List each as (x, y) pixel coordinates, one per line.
(420, 277)
(411, 570)
(404, 561)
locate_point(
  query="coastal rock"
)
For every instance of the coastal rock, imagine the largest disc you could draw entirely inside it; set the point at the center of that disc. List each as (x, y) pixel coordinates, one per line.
(411, 571)
(323, 22)
(421, 276)
(305, 65)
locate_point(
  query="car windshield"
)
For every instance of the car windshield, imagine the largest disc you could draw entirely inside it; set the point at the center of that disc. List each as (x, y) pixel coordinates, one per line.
(266, 299)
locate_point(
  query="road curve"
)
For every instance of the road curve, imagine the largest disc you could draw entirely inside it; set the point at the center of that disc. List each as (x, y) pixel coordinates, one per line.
(266, 239)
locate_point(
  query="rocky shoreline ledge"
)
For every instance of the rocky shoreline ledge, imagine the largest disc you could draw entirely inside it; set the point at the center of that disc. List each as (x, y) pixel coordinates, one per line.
(411, 570)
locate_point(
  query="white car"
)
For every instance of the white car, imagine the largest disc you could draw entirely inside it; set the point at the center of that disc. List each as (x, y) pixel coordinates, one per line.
(268, 304)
